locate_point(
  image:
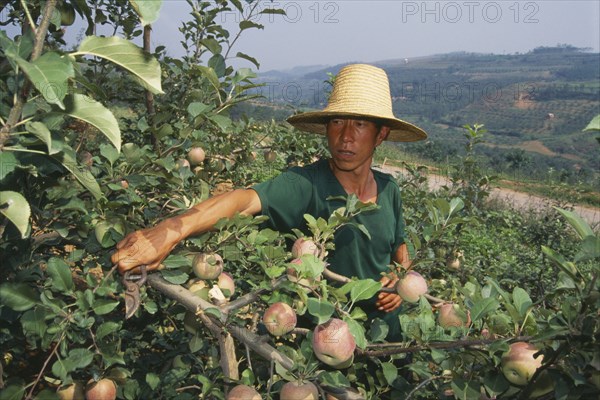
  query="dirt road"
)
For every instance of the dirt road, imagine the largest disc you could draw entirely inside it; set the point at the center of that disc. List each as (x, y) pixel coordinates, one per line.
(517, 200)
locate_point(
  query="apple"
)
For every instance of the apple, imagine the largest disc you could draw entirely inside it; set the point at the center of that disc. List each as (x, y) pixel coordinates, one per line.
(304, 246)
(182, 163)
(243, 392)
(67, 14)
(104, 389)
(207, 265)
(196, 156)
(86, 158)
(451, 315)
(453, 263)
(226, 283)
(124, 184)
(333, 343)
(74, 391)
(518, 363)
(270, 156)
(299, 391)
(279, 319)
(411, 287)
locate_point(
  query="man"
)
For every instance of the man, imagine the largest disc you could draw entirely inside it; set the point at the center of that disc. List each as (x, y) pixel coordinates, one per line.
(357, 119)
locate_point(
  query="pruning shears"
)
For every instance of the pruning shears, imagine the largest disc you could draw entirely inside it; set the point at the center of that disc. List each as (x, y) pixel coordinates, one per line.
(132, 284)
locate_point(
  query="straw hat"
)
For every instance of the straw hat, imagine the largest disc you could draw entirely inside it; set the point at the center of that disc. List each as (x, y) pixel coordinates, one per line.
(360, 91)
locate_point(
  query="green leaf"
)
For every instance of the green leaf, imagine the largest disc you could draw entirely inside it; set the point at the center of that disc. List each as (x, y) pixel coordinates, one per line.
(9, 162)
(320, 308)
(212, 77)
(580, 226)
(217, 63)
(560, 261)
(83, 175)
(456, 204)
(364, 289)
(60, 273)
(378, 330)
(104, 306)
(89, 110)
(590, 249)
(212, 45)
(153, 380)
(33, 322)
(18, 296)
(127, 55)
(49, 74)
(594, 124)
(107, 328)
(80, 358)
(483, 307)
(13, 392)
(14, 207)
(196, 108)
(246, 24)
(334, 379)
(249, 58)
(110, 153)
(521, 300)
(390, 372)
(42, 132)
(147, 10)
(174, 276)
(357, 330)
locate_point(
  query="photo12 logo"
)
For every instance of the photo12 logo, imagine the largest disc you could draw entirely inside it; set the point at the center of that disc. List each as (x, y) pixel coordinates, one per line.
(325, 12)
(470, 11)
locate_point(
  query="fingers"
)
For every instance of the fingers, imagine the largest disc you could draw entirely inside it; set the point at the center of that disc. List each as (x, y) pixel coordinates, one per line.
(389, 302)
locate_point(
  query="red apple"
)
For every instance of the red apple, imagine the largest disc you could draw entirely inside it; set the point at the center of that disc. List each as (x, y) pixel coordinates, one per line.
(104, 389)
(226, 283)
(279, 319)
(74, 391)
(451, 315)
(207, 265)
(411, 287)
(518, 363)
(243, 392)
(333, 343)
(196, 156)
(304, 246)
(299, 391)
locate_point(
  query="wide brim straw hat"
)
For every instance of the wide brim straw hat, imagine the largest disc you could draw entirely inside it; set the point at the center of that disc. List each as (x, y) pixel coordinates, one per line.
(359, 91)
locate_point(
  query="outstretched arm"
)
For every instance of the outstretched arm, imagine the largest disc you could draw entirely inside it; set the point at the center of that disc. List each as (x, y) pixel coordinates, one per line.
(152, 245)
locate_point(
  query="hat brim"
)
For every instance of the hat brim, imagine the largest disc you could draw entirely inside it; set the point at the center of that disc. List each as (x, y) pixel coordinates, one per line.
(316, 122)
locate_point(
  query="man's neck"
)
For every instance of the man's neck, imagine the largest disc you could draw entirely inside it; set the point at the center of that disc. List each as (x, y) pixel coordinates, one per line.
(359, 181)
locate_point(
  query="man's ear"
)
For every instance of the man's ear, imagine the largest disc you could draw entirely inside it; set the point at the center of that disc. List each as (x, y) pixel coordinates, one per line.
(384, 131)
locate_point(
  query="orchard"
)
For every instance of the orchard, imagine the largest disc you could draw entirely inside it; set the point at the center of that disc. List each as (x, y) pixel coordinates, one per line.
(108, 136)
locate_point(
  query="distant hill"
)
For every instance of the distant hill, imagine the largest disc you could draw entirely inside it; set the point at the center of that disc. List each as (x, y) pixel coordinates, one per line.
(537, 102)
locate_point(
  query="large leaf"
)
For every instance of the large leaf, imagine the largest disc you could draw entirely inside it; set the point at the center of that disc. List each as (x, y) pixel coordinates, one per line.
(22, 47)
(365, 289)
(147, 10)
(14, 207)
(322, 309)
(42, 132)
(9, 162)
(49, 74)
(60, 273)
(18, 296)
(127, 55)
(580, 226)
(89, 110)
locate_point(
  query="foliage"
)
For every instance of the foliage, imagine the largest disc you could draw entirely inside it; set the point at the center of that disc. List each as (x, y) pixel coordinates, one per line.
(73, 184)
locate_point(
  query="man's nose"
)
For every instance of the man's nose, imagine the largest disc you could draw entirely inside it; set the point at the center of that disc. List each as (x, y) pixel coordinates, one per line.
(347, 134)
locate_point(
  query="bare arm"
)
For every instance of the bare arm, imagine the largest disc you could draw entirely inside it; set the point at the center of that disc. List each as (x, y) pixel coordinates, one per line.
(152, 245)
(390, 301)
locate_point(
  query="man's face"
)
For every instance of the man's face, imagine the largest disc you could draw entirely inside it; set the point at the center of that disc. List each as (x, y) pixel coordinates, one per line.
(353, 141)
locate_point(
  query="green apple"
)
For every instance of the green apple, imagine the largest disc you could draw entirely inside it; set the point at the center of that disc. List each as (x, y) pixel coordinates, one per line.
(519, 364)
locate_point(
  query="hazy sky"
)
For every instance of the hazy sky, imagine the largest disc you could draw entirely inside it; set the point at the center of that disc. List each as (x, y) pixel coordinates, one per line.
(332, 32)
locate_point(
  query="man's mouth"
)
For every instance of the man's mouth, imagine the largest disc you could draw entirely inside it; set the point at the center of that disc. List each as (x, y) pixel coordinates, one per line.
(345, 153)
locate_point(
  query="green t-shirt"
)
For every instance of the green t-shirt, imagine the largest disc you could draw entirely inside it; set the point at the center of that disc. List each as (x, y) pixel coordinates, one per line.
(305, 190)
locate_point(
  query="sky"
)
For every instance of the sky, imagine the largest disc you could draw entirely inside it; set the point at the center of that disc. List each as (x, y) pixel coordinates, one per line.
(333, 32)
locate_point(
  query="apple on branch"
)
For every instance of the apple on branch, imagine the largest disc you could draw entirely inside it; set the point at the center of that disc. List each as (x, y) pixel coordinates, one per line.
(334, 344)
(279, 319)
(243, 392)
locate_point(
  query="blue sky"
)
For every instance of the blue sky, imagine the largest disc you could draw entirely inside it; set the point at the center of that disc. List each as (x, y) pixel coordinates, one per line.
(332, 32)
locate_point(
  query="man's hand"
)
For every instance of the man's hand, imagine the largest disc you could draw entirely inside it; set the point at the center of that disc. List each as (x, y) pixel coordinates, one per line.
(388, 302)
(145, 247)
